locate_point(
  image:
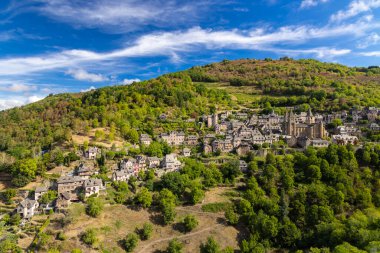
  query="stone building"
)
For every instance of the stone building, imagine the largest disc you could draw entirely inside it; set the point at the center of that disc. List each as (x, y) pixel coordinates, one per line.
(310, 128)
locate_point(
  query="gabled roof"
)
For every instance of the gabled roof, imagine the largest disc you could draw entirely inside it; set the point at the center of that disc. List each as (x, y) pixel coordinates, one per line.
(28, 203)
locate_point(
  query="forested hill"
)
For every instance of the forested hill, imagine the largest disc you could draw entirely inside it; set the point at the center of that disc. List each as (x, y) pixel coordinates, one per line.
(187, 94)
(288, 82)
(122, 108)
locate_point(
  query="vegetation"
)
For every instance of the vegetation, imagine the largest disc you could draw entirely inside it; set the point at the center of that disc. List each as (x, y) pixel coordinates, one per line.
(94, 206)
(89, 237)
(190, 222)
(175, 246)
(130, 242)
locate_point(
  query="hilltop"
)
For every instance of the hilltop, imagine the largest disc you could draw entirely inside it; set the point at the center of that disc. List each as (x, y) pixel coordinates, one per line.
(260, 84)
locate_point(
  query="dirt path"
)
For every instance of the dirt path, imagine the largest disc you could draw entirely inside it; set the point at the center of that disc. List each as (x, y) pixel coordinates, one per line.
(178, 237)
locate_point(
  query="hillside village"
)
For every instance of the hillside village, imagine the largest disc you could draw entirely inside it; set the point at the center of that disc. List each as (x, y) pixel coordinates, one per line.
(228, 132)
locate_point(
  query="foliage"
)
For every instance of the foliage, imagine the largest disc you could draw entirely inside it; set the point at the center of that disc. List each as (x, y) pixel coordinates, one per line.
(175, 246)
(8, 194)
(89, 237)
(216, 207)
(143, 198)
(130, 242)
(48, 197)
(190, 222)
(210, 246)
(146, 231)
(94, 206)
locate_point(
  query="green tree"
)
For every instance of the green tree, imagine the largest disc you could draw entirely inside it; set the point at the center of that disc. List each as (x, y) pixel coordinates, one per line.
(130, 242)
(231, 217)
(48, 197)
(8, 194)
(89, 237)
(210, 246)
(190, 222)
(146, 231)
(143, 198)
(94, 206)
(175, 246)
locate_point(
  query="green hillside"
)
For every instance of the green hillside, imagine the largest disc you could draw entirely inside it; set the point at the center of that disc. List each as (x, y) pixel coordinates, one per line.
(188, 94)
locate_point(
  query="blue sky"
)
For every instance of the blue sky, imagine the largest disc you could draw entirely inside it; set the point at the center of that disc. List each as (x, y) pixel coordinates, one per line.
(54, 46)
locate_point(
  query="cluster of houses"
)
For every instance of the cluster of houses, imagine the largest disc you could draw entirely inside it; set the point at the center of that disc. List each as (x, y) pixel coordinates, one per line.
(68, 188)
(226, 132)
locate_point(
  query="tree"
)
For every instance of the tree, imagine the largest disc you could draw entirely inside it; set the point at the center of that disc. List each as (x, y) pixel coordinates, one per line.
(231, 217)
(146, 231)
(210, 246)
(190, 222)
(133, 136)
(144, 198)
(24, 171)
(313, 173)
(167, 203)
(94, 207)
(130, 242)
(8, 194)
(48, 197)
(230, 170)
(196, 194)
(175, 246)
(289, 233)
(89, 237)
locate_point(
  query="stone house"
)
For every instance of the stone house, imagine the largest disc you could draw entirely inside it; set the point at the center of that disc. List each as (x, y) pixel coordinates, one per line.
(27, 208)
(122, 175)
(41, 190)
(173, 138)
(70, 184)
(170, 163)
(153, 162)
(186, 152)
(63, 201)
(92, 152)
(145, 139)
(192, 140)
(85, 171)
(92, 186)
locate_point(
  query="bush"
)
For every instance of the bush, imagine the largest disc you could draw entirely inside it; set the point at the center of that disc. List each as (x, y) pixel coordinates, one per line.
(216, 207)
(190, 222)
(175, 246)
(94, 207)
(89, 237)
(130, 242)
(146, 231)
(210, 246)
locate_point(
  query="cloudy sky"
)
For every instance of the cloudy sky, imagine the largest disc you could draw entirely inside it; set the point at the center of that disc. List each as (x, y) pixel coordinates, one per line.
(54, 46)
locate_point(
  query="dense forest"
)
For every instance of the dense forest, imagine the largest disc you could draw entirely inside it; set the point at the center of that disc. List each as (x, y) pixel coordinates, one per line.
(288, 82)
(27, 130)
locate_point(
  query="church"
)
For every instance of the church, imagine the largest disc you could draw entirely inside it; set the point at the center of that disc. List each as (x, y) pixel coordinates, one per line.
(296, 126)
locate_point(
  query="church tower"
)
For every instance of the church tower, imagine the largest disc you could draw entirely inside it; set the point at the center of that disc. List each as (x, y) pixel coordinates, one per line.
(310, 119)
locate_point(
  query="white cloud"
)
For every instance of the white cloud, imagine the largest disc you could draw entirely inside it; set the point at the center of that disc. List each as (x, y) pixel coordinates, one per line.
(129, 81)
(15, 87)
(311, 3)
(171, 43)
(355, 8)
(16, 101)
(319, 52)
(34, 98)
(89, 89)
(115, 16)
(83, 75)
(371, 54)
(372, 39)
